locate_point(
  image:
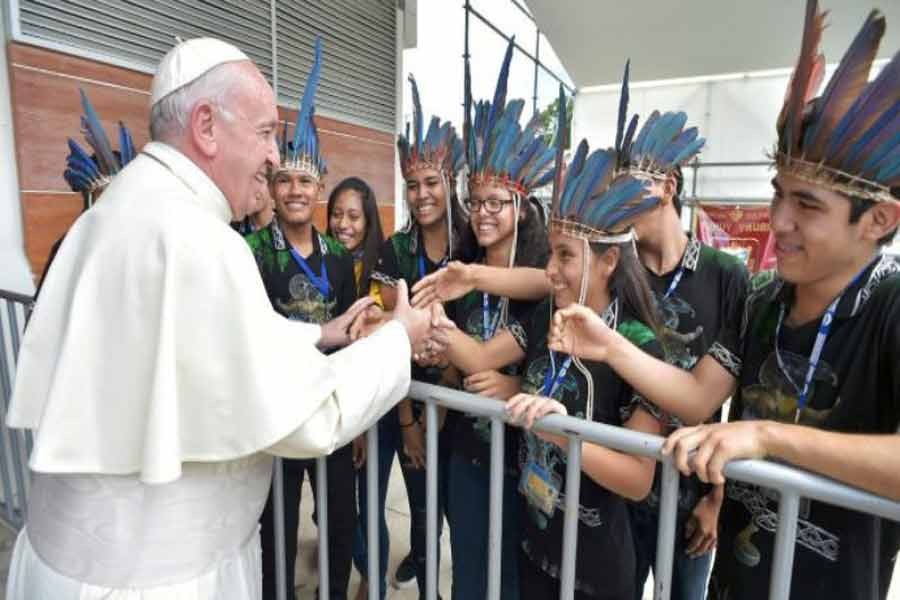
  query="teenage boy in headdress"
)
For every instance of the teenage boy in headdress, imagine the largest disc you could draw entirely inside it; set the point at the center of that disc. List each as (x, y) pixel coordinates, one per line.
(308, 277)
(814, 367)
(699, 292)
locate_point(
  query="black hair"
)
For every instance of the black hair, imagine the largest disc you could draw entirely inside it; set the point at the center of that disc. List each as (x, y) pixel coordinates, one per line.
(679, 187)
(629, 284)
(532, 245)
(374, 236)
(859, 206)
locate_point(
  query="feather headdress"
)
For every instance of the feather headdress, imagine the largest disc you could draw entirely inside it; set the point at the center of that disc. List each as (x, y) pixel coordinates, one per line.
(439, 149)
(662, 145)
(499, 150)
(88, 173)
(594, 200)
(303, 152)
(847, 139)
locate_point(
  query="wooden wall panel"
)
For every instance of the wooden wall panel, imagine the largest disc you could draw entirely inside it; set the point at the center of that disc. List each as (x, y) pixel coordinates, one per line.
(46, 110)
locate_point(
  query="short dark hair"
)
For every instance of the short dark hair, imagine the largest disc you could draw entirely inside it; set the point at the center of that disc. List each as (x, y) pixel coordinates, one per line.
(859, 206)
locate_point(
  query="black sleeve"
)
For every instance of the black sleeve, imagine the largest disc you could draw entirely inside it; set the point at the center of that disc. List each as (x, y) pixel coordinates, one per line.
(728, 349)
(387, 270)
(345, 289)
(632, 400)
(521, 315)
(890, 359)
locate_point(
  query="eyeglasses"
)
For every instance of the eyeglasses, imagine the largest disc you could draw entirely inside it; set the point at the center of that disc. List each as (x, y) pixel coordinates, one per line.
(491, 205)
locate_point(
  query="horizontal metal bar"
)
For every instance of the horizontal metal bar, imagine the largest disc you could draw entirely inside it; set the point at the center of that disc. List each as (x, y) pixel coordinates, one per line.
(760, 472)
(746, 163)
(493, 28)
(16, 297)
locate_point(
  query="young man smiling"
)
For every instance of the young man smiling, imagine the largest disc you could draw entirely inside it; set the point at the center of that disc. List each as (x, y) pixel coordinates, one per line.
(308, 277)
(815, 361)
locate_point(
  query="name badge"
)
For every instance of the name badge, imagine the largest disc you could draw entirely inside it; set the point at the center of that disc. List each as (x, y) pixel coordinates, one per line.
(540, 487)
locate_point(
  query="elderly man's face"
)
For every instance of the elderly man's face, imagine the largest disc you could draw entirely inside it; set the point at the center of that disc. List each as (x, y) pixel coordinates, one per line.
(247, 149)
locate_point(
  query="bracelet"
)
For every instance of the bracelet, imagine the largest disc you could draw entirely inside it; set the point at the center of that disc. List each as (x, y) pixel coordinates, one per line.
(410, 424)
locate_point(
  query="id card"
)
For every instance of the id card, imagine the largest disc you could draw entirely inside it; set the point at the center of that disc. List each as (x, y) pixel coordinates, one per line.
(540, 487)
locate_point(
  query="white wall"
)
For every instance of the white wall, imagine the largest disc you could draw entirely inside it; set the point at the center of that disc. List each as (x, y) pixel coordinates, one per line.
(15, 274)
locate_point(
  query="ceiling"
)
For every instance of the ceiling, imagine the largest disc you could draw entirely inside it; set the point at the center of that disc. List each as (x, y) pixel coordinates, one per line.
(668, 39)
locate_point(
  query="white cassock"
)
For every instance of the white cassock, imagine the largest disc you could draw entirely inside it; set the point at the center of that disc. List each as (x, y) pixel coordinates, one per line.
(159, 382)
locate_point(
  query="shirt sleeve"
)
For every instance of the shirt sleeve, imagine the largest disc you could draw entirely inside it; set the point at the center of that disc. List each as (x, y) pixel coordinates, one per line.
(727, 349)
(521, 315)
(387, 269)
(346, 288)
(632, 400)
(359, 401)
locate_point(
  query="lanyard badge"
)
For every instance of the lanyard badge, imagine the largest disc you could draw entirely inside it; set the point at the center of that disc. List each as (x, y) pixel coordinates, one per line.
(319, 281)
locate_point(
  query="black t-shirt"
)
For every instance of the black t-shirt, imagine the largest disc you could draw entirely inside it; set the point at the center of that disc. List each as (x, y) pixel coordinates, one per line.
(290, 290)
(403, 256)
(472, 436)
(855, 388)
(708, 297)
(604, 566)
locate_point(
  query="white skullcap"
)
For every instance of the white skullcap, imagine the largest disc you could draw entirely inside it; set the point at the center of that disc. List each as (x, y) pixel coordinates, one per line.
(188, 61)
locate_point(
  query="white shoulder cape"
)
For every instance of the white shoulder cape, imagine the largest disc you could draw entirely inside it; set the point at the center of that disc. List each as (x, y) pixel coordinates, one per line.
(153, 342)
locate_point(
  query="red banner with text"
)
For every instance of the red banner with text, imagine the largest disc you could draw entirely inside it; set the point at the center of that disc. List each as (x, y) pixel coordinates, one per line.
(739, 230)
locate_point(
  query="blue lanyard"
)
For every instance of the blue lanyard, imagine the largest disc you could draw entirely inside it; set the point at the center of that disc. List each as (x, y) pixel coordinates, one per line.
(421, 257)
(818, 346)
(552, 377)
(675, 281)
(320, 281)
(490, 325)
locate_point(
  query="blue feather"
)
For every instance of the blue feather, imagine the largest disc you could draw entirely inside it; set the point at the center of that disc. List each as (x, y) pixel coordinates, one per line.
(623, 108)
(688, 152)
(629, 137)
(881, 153)
(595, 169)
(96, 137)
(304, 117)
(499, 102)
(126, 145)
(873, 132)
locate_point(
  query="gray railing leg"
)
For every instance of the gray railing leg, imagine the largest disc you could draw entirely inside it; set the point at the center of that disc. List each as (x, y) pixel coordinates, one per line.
(322, 518)
(373, 541)
(278, 518)
(785, 535)
(665, 544)
(431, 512)
(570, 522)
(495, 531)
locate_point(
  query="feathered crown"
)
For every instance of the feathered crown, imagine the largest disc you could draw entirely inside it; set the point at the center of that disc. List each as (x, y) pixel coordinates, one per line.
(662, 144)
(440, 149)
(85, 173)
(848, 139)
(303, 152)
(593, 199)
(498, 150)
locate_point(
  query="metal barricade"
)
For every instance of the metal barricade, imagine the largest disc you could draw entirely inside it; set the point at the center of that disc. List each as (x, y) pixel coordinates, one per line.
(791, 483)
(15, 445)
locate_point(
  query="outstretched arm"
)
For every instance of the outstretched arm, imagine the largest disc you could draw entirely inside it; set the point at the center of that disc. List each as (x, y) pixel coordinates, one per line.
(470, 356)
(869, 461)
(692, 396)
(458, 279)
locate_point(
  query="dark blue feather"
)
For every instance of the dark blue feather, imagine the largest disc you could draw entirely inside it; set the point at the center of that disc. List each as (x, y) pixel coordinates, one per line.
(623, 108)
(305, 115)
(96, 137)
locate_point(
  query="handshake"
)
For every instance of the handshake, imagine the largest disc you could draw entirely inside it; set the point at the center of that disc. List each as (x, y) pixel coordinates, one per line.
(426, 327)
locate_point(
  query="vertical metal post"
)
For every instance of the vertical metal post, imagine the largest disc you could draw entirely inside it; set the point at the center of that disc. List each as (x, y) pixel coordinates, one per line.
(537, 58)
(373, 506)
(13, 329)
(570, 522)
(322, 518)
(278, 519)
(665, 545)
(466, 57)
(431, 512)
(273, 36)
(783, 561)
(495, 528)
(13, 497)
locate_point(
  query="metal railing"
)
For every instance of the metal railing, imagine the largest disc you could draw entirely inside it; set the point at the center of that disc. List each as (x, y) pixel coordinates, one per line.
(791, 484)
(15, 445)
